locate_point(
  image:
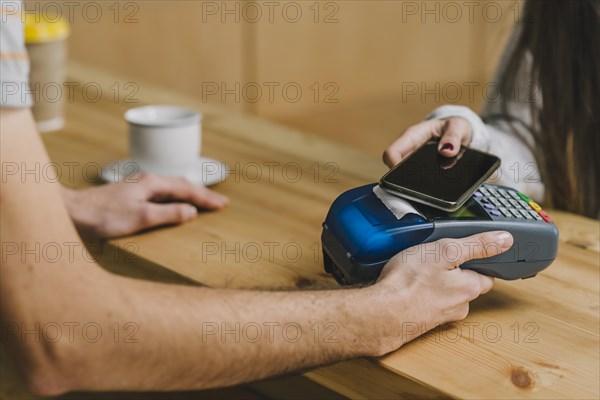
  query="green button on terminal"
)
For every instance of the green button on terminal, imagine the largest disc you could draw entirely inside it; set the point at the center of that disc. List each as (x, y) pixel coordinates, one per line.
(525, 198)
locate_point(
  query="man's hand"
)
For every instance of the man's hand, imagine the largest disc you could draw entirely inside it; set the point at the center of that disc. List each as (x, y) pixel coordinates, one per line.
(124, 208)
(426, 288)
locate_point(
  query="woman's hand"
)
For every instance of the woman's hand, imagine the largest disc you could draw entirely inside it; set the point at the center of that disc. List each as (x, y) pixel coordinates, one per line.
(423, 286)
(124, 208)
(453, 132)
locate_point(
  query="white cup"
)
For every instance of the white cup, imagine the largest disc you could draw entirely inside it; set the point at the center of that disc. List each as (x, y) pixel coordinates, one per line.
(165, 140)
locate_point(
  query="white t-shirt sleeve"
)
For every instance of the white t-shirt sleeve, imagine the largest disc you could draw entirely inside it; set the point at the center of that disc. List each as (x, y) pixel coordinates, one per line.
(14, 63)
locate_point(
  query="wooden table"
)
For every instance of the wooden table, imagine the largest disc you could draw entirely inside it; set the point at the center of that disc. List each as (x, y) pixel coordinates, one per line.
(535, 338)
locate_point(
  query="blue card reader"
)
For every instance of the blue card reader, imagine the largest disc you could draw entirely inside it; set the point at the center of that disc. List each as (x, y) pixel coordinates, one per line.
(360, 233)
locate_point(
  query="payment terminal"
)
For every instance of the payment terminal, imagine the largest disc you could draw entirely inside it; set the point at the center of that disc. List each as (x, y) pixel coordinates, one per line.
(365, 228)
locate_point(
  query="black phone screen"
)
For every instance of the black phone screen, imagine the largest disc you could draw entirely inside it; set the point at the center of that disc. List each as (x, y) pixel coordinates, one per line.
(426, 172)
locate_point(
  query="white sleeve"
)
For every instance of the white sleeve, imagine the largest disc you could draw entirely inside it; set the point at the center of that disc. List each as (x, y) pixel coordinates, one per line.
(14, 63)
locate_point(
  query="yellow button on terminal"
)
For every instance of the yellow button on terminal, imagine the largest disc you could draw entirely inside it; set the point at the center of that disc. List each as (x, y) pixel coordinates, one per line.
(535, 206)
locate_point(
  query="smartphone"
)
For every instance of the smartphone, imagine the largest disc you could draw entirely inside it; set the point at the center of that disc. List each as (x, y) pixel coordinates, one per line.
(446, 183)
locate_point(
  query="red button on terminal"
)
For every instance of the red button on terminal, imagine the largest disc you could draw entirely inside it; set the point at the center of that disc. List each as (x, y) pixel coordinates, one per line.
(545, 216)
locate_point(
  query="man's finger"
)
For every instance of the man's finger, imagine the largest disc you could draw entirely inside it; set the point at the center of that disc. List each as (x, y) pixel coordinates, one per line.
(177, 188)
(480, 284)
(411, 140)
(483, 245)
(153, 214)
(456, 132)
(486, 283)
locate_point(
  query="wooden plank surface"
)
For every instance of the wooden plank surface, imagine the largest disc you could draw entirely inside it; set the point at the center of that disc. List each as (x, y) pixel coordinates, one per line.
(535, 338)
(168, 42)
(366, 50)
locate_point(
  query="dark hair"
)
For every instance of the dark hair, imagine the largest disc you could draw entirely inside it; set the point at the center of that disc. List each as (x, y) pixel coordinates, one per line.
(563, 38)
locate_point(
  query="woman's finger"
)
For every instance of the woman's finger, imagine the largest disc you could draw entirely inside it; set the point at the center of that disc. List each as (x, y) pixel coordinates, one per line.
(411, 140)
(456, 133)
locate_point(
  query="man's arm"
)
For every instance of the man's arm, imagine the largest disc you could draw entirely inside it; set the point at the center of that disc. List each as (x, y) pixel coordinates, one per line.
(173, 346)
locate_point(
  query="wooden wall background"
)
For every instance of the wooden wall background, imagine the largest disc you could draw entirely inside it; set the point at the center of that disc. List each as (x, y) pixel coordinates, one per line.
(362, 53)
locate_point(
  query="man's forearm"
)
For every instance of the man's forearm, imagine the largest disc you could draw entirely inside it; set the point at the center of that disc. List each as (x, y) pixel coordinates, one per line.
(136, 335)
(190, 337)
